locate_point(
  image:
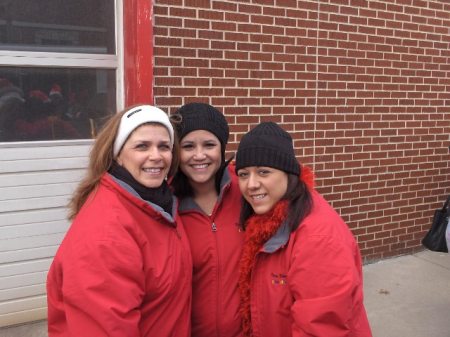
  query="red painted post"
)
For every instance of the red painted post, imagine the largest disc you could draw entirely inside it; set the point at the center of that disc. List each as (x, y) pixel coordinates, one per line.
(138, 51)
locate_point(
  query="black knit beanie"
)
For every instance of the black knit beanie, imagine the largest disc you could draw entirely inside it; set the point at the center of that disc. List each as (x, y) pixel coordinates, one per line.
(267, 145)
(202, 116)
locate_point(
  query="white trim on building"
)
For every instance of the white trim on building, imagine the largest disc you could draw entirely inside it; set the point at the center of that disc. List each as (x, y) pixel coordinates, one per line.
(36, 182)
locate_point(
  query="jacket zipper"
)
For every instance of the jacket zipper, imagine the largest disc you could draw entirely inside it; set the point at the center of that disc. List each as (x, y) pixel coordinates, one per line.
(214, 230)
(178, 233)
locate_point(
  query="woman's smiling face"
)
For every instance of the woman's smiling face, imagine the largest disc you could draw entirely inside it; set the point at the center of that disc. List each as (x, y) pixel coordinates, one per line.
(200, 157)
(147, 154)
(262, 187)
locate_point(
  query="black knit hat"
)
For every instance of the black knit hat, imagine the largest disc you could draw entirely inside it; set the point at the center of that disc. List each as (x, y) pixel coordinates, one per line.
(267, 145)
(202, 116)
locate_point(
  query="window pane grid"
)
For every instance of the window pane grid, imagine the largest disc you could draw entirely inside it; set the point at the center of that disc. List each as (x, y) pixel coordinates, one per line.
(58, 59)
(59, 69)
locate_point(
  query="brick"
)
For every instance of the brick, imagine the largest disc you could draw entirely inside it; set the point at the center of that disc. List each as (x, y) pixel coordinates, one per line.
(251, 9)
(183, 52)
(225, 6)
(211, 54)
(278, 11)
(182, 12)
(196, 82)
(211, 15)
(236, 55)
(211, 35)
(273, 30)
(286, 3)
(224, 26)
(369, 112)
(209, 72)
(230, 45)
(195, 43)
(237, 17)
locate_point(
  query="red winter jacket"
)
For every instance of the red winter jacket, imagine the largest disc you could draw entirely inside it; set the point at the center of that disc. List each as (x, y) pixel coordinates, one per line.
(123, 269)
(309, 282)
(216, 243)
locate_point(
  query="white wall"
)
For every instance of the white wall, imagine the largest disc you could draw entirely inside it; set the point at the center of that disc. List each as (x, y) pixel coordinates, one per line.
(36, 182)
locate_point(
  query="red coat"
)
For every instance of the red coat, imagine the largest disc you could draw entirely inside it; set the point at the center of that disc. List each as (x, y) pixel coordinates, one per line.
(309, 282)
(123, 269)
(216, 243)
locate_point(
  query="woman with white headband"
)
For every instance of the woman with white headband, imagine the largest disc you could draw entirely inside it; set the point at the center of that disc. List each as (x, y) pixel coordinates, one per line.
(124, 267)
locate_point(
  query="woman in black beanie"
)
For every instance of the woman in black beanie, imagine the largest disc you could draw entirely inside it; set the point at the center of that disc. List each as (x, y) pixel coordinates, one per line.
(209, 207)
(300, 270)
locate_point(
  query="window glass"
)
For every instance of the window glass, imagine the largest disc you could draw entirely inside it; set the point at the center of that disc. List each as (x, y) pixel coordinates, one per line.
(82, 26)
(54, 103)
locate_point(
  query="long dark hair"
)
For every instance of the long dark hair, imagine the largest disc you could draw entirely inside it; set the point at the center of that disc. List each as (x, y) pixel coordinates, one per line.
(300, 203)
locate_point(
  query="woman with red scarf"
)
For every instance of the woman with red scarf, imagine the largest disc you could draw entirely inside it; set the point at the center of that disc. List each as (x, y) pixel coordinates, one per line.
(300, 270)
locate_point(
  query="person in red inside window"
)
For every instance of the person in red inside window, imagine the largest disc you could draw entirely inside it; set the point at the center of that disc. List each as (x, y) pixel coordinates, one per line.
(209, 207)
(301, 270)
(41, 121)
(124, 267)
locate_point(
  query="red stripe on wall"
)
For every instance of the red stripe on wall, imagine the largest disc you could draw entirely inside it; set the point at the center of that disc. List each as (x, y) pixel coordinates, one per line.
(138, 53)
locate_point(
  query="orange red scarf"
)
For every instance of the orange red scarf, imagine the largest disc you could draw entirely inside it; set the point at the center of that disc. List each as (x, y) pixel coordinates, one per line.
(259, 229)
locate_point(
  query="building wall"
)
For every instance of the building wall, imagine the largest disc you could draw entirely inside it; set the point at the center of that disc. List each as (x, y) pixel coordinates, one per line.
(36, 182)
(363, 87)
(37, 178)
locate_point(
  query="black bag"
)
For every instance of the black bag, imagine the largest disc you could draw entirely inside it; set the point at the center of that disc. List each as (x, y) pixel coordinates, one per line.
(435, 238)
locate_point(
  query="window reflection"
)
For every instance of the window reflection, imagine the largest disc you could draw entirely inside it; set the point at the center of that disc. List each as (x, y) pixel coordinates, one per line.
(82, 26)
(54, 104)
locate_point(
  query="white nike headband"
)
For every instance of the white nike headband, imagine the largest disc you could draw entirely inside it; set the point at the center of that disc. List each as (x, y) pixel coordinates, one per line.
(137, 116)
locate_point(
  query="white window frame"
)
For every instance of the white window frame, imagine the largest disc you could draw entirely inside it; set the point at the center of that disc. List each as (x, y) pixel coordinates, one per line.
(72, 60)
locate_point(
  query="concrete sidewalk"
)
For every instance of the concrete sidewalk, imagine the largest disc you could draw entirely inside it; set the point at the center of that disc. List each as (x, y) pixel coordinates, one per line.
(406, 296)
(409, 296)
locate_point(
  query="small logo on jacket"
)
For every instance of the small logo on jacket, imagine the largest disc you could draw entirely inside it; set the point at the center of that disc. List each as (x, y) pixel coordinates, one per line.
(279, 279)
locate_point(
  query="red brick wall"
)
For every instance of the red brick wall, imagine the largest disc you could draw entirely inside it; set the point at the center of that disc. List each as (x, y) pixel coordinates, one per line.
(363, 86)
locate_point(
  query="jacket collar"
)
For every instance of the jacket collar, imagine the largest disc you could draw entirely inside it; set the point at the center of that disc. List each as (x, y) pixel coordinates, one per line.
(157, 208)
(188, 203)
(277, 241)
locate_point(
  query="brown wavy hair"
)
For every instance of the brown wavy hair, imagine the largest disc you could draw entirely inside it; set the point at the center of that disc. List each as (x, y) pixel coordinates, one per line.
(101, 158)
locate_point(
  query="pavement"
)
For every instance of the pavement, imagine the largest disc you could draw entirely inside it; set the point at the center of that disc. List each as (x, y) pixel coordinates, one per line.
(409, 296)
(406, 296)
